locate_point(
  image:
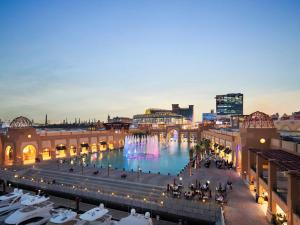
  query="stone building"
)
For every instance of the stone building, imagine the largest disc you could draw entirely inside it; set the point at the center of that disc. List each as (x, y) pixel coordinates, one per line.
(24, 144)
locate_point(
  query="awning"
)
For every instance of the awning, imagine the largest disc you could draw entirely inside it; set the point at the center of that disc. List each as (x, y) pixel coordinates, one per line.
(61, 147)
(221, 147)
(216, 145)
(103, 143)
(227, 150)
(85, 145)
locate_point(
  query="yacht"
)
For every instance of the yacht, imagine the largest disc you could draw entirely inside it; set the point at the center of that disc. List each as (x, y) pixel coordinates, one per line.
(64, 216)
(33, 200)
(31, 215)
(5, 199)
(10, 203)
(97, 216)
(136, 219)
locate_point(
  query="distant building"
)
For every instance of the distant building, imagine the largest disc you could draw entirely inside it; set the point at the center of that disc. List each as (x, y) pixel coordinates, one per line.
(209, 117)
(188, 113)
(158, 118)
(177, 115)
(275, 116)
(229, 104)
(119, 119)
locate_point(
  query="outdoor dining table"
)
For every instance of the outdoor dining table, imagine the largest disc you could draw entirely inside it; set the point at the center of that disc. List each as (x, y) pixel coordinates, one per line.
(176, 193)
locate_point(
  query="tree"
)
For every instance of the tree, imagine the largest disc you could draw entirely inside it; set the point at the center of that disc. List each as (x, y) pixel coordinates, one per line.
(191, 153)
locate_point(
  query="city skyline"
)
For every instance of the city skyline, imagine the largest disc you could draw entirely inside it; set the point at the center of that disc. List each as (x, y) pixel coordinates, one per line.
(100, 58)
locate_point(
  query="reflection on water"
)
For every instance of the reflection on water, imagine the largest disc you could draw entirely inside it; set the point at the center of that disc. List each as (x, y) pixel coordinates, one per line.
(172, 159)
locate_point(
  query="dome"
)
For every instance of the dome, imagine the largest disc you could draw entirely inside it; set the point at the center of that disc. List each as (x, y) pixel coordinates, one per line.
(20, 122)
(258, 120)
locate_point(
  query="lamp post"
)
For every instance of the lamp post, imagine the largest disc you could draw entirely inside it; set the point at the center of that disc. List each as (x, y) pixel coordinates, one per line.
(81, 162)
(109, 165)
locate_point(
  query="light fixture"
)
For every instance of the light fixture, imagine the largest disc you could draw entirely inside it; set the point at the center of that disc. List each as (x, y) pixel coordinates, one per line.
(29, 135)
(262, 140)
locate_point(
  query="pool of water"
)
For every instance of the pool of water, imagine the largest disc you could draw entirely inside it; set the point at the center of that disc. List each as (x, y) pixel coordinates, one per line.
(171, 159)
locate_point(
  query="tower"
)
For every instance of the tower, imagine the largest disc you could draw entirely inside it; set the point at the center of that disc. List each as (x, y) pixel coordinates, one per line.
(46, 120)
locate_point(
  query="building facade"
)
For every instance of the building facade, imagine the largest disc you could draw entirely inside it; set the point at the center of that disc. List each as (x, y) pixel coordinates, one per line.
(269, 165)
(229, 104)
(24, 144)
(187, 113)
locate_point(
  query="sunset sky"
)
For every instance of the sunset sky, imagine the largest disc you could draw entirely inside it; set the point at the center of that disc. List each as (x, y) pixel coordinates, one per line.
(91, 58)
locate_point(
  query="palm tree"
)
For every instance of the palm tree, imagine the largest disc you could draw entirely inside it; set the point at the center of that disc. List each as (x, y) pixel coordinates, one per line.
(191, 153)
(198, 149)
(205, 144)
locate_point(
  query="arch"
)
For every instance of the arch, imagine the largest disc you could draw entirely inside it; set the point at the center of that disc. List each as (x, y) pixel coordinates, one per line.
(173, 135)
(29, 154)
(73, 150)
(94, 147)
(46, 154)
(121, 143)
(60, 151)
(84, 148)
(103, 145)
(9, 155)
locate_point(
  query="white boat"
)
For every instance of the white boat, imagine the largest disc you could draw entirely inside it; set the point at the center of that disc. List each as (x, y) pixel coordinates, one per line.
(4, 199)
(31, 215)
(136, 219)
(98, 215)
(64, 216)
(10, 203)
(33, 200)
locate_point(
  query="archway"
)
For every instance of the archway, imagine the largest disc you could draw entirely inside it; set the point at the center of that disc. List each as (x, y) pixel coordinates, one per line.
(111, 146)
(84, 148)
(103, 146)
(121, 143)
(46, 154)
(9, 157)
(29, 154)
(173, 135)
(61, 151)
(94, 148)
(73, 151)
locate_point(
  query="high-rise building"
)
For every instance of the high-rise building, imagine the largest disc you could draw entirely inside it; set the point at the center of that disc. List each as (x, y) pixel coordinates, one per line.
(229, 104)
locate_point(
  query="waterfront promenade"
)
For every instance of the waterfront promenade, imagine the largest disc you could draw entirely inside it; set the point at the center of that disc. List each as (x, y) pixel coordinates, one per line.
(148, 191)
(240, 208)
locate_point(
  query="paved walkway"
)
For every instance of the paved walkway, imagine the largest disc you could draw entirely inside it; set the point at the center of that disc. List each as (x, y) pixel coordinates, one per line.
(241, 208)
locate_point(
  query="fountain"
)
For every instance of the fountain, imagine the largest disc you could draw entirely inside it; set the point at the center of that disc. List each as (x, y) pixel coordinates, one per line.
(145, 146)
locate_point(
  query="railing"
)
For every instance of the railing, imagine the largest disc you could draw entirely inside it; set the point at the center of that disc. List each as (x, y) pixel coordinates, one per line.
(229, 133)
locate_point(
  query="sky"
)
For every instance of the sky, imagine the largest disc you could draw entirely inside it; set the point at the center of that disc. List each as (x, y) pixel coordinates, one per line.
(91, 58)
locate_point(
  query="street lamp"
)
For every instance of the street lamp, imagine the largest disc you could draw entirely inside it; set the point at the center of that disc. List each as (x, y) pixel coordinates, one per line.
(109, 165)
